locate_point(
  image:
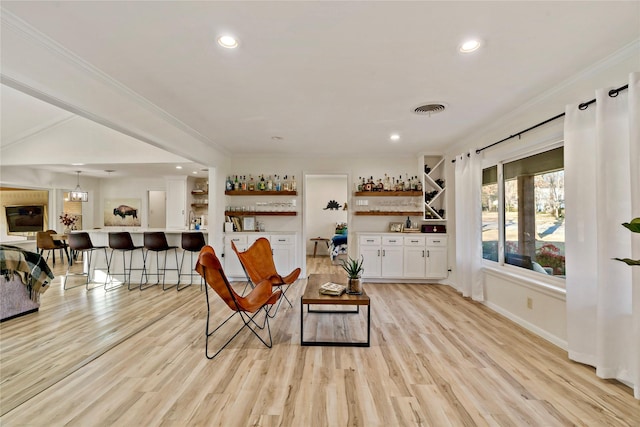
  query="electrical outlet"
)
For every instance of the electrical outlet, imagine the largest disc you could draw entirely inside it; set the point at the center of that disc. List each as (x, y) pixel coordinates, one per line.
(529, 303)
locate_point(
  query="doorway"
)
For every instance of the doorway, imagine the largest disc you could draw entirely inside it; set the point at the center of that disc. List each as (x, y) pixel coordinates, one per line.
(325, 201)
(157, 209)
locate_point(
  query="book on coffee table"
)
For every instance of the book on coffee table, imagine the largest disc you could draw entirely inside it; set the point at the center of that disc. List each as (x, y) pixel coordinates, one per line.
(333, 289)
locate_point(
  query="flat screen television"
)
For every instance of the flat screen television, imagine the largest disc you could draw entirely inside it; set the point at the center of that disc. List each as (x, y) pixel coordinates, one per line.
(25, 219)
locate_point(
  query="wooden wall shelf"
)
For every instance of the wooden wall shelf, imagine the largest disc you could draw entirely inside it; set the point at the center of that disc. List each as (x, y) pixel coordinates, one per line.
(260, 193)
(387, 213)
(258, 213)
(388, 193)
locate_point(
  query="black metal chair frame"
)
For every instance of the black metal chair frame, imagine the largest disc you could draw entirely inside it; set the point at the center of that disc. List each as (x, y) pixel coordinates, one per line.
(126, 277)
(191, 274)
(144, 284)
(247, 320)
(88, 273)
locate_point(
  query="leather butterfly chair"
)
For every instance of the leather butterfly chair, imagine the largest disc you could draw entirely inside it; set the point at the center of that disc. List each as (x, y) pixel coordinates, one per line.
(258, 265)
(247, 307)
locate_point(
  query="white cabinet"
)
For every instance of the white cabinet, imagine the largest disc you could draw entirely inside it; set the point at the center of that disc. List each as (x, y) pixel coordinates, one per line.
(283, 247)
(232, 266)
(398, 256)
(414, 257)
(371, 252)
(436, 258)
(391, 256)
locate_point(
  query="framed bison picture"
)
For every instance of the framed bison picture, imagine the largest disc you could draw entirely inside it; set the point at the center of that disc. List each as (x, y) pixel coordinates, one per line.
(122, 212)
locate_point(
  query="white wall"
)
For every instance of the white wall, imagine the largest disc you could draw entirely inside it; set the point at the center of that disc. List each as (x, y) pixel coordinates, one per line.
(318, 221)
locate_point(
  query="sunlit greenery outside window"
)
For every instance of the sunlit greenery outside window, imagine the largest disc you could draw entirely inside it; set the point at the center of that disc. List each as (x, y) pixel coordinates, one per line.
(533, 214)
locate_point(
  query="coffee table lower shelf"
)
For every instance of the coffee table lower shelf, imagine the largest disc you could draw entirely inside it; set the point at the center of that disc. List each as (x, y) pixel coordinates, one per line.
(312, 296)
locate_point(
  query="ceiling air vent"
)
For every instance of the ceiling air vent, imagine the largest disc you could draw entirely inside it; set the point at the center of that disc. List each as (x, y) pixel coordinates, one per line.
(429, 109)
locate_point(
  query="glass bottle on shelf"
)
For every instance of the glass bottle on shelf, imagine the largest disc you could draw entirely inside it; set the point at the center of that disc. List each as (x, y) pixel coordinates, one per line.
(236, 184)
(294, 186)
(243, 183)
(262, 185)
(229, 184)
(285, 184)
(278, 183)
(252, 184)
(269, 184)
(387, 183)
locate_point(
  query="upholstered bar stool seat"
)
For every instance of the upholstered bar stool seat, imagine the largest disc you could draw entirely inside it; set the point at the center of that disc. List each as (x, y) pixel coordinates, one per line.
(81, 242)
(121, 242)
(192, 242)
(156, 241)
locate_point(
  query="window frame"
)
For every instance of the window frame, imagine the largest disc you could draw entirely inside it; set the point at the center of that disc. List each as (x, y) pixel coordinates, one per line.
(498, 160)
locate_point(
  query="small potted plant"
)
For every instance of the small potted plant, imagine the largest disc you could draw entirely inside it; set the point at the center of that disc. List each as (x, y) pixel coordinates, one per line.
(634, 226)
(354, 270)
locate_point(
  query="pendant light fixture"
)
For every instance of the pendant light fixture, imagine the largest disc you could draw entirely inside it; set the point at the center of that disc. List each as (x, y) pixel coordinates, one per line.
(78, 195)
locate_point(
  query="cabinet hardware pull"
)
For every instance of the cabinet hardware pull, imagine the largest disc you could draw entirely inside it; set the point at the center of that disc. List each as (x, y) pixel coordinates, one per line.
(436, 241)
(378, 252)
(427, 254)
(422, 254)
(282, 240)
(383, 252)
(392, 241)
(414, 241)
(369, 240)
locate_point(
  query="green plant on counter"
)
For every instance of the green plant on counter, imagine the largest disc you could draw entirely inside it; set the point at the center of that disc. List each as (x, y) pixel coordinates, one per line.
(353, 267)
(634, 226)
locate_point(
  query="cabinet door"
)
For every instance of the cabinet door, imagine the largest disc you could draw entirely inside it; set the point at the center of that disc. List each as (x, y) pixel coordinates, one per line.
(392, 261)
(284, 253)
(436, 266)
(176, 202)
(232, 266)
(372, 258)
(414, 261)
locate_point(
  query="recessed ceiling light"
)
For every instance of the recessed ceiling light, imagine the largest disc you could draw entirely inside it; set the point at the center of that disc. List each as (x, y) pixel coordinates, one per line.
(195, 172)
(395, 137)
(178, 167)
(470, 46)
(77, 164)
(228, 42)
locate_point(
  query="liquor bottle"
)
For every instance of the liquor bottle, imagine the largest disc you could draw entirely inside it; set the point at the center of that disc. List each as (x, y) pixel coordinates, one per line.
(387, 183)
(229, 184)
(294, 186)
(407, 183)
(358, 184)
(261, 184)
(368, 186)
(285, 184)
(408, 223)
(278, 183)
(236, 184)
(252, 184)
(243, 183)
(269, 184)
(419, 185)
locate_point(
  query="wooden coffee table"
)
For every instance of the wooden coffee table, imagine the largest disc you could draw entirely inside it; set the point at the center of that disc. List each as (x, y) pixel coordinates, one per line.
(312, 296)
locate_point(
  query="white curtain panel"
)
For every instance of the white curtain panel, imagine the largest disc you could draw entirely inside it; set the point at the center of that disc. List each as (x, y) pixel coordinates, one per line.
(601, 158)
(468, 183)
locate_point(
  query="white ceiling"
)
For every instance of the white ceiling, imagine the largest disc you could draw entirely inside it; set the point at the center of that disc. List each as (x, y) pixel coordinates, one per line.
(329, 77)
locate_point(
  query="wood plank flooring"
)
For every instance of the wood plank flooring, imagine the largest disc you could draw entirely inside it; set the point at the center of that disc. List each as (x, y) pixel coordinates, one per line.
(436, 359)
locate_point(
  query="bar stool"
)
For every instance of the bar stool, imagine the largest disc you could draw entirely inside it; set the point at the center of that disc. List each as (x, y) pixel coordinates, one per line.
(121, 241)
(156, 241)
(81, 242)
(191, 242)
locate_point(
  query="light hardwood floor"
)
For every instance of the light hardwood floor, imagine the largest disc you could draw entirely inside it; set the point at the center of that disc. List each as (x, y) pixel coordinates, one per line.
(132, 358)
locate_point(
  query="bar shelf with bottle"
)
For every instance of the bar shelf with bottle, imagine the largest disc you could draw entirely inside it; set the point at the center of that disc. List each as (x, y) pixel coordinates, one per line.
(259, 193)
(260, 213)
(387, 213)
(410, 193)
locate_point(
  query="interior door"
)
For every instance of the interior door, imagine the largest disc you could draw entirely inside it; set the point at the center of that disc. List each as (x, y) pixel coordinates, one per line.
(157, 209)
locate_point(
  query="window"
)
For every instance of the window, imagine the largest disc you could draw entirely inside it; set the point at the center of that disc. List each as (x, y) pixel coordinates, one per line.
(532, 214)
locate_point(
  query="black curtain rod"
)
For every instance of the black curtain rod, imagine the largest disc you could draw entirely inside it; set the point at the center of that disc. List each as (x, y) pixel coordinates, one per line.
(612, 93)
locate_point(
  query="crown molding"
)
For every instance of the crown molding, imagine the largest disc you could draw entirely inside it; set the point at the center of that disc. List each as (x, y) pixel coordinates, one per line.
(26, 31)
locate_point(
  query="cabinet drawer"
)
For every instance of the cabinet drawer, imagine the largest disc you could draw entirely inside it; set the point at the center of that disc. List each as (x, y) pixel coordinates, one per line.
(281, 240)
(370, 240)
(392, 241)
(238, 240)
(414, 241)
(436, 241)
